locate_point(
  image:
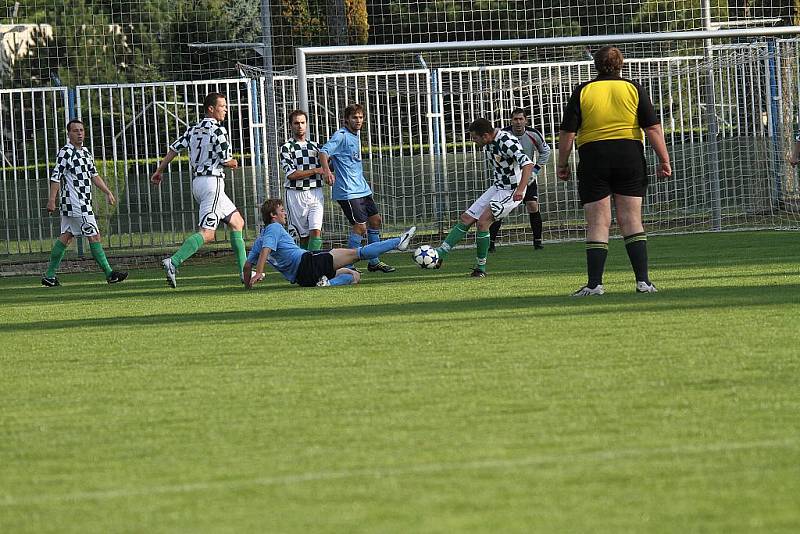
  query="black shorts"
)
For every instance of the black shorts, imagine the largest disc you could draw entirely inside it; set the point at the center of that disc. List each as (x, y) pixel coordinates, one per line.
(358, 210)
(616, 166)
(532, 192)
(314, 266)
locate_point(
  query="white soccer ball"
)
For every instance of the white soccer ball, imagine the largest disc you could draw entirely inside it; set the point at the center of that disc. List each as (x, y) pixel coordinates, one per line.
(426, 257)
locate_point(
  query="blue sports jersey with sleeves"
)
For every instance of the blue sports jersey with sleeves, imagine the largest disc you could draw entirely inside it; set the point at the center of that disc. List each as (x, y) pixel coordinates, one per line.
(285, 254)
(344, 151)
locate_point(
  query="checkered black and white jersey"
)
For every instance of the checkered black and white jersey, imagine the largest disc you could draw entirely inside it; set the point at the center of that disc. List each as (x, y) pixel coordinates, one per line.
(507, 158)
(208, 145)
(74, 170)
(300, 156)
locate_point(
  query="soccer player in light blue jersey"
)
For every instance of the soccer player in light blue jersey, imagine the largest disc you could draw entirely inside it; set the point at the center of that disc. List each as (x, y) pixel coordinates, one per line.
(342, 168)
(306, 268)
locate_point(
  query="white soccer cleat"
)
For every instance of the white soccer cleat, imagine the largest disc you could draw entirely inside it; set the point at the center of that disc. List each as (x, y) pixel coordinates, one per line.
(405, 238)
(323, 282)
(644, 287)
(587, 291)
(170, 271)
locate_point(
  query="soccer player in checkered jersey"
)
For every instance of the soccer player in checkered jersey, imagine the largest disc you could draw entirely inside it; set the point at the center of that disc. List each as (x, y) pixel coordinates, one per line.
(511, 170)
(537, 149)
(73, 175)
(304, 199)
(342, 153)
(209, 154)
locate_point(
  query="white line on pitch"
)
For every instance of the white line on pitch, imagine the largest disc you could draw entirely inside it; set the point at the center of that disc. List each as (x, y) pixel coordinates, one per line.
(382, 472)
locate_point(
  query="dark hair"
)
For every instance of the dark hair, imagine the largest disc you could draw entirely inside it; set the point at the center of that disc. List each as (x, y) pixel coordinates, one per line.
(270, 208)
(73, 121)
(608, 60)
(211, 100)
(297, 113)
(481, 126)
(519, 111)
(352, 109)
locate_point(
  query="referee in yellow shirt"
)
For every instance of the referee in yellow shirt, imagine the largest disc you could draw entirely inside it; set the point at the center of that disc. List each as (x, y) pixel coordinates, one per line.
(607, 114)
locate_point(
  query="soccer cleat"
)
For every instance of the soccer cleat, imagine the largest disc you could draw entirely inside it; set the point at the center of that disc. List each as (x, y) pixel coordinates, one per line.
(50, 281)
(537, 245)
(323, 282)
(492, 247)
(116, 276)
(587, 291)
(380, 266)
(644, 287)
(405, 238)
(477, 273)
(170, 270)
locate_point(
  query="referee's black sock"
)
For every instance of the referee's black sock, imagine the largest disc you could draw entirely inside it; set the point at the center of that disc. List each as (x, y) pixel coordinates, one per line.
(536, 226)
(636, 245)
(596, 253)
(494, 229)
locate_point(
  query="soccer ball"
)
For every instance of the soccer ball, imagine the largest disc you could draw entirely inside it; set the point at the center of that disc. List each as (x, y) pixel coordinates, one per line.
(426, 257)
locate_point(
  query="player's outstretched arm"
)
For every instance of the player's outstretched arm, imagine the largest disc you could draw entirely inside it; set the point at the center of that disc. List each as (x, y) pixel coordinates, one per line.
(101, 185)
(250, 281)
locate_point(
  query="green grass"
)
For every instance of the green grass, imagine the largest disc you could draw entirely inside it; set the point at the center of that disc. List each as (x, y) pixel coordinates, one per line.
(415, 402)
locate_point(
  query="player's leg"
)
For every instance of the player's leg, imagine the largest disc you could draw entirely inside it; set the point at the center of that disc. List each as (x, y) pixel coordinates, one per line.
(344, 257)
(494, 231)
(314, 218)
(534, 215)
(598, 221)
(374, 236)
(57, 254)
(629, 217)
(236, 224)
(630, 186)
(297, 213)
(482, 243)
(468, 218)
(344, 277)
(205, 191)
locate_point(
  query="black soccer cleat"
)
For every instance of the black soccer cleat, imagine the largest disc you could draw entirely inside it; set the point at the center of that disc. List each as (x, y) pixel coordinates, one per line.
(477, 273)
(116, 277)
(380, 266)
(50, 281)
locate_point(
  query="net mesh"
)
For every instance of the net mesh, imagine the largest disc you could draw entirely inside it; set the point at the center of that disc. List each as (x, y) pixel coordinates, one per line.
(49, 42)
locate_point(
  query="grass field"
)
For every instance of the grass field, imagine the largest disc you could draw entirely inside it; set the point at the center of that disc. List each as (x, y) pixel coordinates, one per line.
(415, 402)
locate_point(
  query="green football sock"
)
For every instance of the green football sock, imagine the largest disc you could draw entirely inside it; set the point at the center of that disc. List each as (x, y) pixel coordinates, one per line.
(237, 243)
(482, 246)
(189, 247)
(457, 233)
(315, 243)
(99, 256)
(56, 255)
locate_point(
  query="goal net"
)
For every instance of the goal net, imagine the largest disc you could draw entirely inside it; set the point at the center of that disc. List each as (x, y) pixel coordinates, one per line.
(728, 118)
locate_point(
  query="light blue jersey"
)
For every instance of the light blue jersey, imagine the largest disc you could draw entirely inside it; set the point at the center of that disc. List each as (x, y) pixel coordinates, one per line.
(344, 151)
(285, 254)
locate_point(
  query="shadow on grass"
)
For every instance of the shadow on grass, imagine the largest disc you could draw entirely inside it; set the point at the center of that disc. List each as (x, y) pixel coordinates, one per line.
(543, 306)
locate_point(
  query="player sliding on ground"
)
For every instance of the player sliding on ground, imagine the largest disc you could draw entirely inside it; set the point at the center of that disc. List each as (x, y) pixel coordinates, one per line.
(305, 268)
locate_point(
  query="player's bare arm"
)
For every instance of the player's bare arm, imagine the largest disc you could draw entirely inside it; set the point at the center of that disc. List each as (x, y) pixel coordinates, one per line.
(51, 200)
(156, 178)
(565, 140)
(231, 164)
(519, 192)
(101, 185)
(250, 281)
(327, 174)
(305, 173)
(655, 135)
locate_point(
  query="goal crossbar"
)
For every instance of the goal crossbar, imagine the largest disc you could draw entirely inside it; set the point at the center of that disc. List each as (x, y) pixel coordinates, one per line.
(301, 53)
